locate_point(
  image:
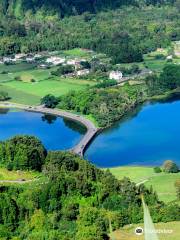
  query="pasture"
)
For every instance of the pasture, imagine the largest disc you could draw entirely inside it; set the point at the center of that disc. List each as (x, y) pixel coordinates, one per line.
(162, 183)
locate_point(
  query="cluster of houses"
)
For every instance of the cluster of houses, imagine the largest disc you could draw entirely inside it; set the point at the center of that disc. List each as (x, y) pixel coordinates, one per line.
(45, 61)
(20, 57)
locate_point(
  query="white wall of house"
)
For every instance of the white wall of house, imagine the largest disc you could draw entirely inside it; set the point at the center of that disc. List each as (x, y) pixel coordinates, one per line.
(115, 75)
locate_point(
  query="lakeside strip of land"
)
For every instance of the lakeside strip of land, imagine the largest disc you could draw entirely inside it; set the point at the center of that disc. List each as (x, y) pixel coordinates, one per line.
(91, 128)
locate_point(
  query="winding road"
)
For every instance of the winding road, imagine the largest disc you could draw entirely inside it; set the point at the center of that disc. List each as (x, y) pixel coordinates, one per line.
(91, 128)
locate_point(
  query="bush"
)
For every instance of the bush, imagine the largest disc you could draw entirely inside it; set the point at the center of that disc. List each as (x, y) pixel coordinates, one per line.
(22, 152)
(170, 167)
(62, 70)
(3, 96)
(157, 169)
(49, 101)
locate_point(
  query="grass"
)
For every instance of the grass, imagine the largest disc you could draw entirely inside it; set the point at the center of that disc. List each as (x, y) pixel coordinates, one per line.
(27, 92)
(17, 67)
(136, 174)
(76, 52)
(128, 232)
(19, 96)
(42, 88)
(163, 183)
(17, 175)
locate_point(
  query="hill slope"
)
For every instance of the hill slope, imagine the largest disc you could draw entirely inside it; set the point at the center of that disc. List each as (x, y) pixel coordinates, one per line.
(19, 8)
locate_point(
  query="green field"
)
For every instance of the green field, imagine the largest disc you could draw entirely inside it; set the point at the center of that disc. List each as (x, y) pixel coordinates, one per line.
(17, 175)
(76, 52)
(128, 232)
(26, 92)
(163, 183)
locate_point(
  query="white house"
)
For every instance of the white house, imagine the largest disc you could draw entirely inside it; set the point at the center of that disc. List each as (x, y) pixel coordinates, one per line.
(170, 57)
(19, 56)
(7, 59)
(82, 72)
(55, 60)
(30, 59)
(115, 75)
(75, 61)
(37, 56)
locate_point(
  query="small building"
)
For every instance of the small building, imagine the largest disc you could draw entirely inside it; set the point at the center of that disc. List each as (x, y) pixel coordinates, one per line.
(75, 61)
(43, 66)
(116, 75)
(37, 56)
(7, 60)
(170, 57)
(83, 72)
(30, 59)
(55, 60)
(19, 56)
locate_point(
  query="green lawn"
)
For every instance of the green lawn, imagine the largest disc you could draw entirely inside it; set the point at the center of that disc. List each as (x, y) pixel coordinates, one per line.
(128, 232)
(163, 183)
(17, 67)
(42, 88)
(76, 52)
(19, 96)
(17, 175)
(26, 92)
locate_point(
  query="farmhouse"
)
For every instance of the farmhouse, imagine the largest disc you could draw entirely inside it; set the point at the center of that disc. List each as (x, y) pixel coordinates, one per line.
(19, 56)
(7, 60)
(55, 60)
(82, 72)
(170, 57)
(115, 75)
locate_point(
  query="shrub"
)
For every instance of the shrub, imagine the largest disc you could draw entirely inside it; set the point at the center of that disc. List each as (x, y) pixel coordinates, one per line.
(157, 169)
(49, 101)
(3, 96)
(170, 167)
(22, 152)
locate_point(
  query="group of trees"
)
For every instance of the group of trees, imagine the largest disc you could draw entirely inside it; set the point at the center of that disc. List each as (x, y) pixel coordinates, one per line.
(4, 96)
(22, 152)
(75, 201)
(105, 105)
(169, 79)
(110, 32)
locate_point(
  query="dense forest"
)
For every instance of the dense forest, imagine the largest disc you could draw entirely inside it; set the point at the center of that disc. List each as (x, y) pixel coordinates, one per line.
(74, 201)
(19, 8)
(124, 34)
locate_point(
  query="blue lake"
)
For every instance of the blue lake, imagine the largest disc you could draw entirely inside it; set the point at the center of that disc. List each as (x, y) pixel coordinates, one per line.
(147, 137)
(56, 133)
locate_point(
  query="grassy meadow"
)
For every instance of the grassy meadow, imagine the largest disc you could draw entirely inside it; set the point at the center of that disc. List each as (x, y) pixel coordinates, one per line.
(128, 232)
(17, 175)
(17, 81)
(162, 183)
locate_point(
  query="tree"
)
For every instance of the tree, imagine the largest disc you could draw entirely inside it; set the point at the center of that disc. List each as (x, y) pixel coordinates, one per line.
(3, 96)
(49, 101)
(170, 167)
(23, 152)
(157, 169)
(177, 186)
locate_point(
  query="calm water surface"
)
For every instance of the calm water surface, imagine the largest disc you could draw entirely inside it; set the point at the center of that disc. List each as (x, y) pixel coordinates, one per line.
(55, 132)
(148, 138)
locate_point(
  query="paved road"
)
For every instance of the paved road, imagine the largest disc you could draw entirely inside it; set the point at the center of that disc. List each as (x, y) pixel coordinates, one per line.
(91, 128)
(149, 229)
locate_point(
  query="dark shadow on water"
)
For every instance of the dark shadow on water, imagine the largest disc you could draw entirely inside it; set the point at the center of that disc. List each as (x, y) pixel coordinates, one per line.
(75, 126)
(170, 99)
(50, 119)
(4, 110)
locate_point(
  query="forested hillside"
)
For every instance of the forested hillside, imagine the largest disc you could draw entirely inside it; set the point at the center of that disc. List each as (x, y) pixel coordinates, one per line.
(124, 34)
(19, 8)
(75, 200)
